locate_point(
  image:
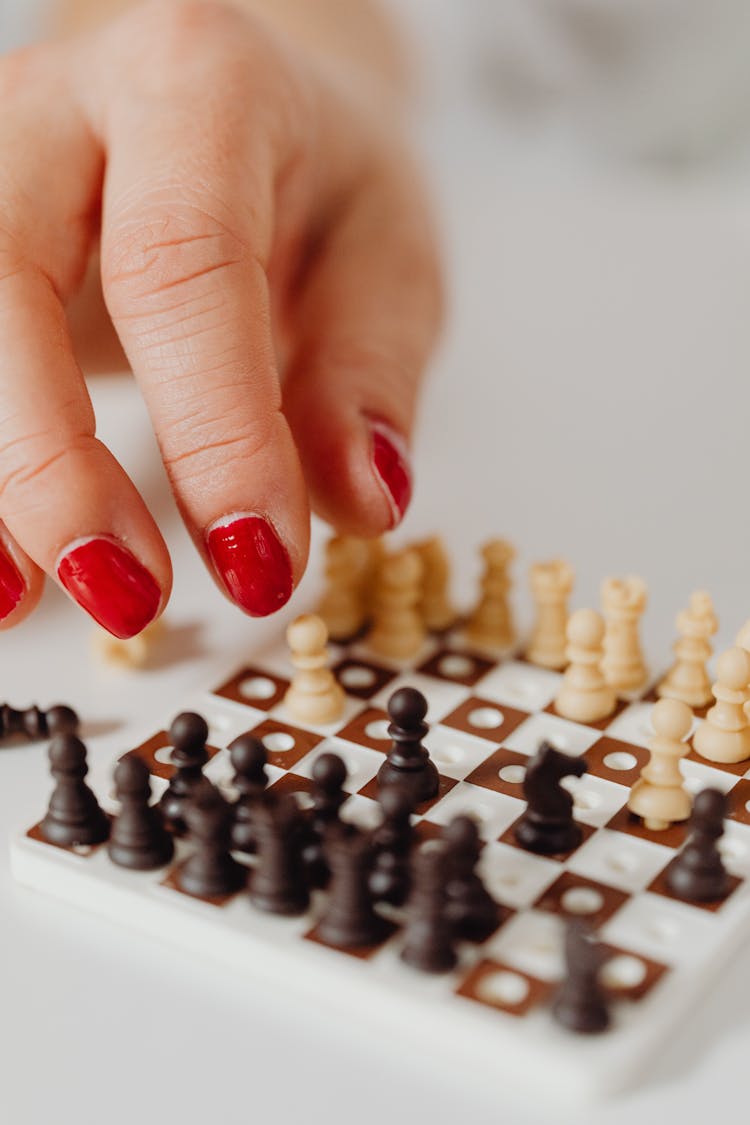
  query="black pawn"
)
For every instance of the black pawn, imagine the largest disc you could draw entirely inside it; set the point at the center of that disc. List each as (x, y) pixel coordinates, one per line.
(187, 735)
(547, 827)
(210, 870)
(429, 941)
(408, 764)
(248, 757)
(698, 873)
(74, 817)
(328, 795)
(471, 909)
(35, 723)
(580, 1004)
(139, 839)
(278, 884)
(350, 920)
(392, 841)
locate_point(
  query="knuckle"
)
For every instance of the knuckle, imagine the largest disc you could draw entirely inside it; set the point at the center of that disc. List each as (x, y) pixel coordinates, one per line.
(26, 462)
(178, 34)
(205, 446)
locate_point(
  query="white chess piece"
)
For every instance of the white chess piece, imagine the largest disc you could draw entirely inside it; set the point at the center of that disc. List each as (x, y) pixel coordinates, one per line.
(551, 586)
(623, 604)
(437, 612)
(659, 795)
(342, 606)
(743, 637)
(490, 626)
(585, 696)
(688, 677)
(314, 696)
(724, 735)
(397, 631)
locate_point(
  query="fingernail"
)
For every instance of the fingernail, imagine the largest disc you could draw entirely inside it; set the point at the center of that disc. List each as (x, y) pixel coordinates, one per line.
(12, 585)
(391, 463)
(252, 563)
(110, 584)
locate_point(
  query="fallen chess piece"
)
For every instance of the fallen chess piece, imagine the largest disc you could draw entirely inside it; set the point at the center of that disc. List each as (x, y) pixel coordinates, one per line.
(698, 873)
(547, 826)
(131, 652)
(34, 723)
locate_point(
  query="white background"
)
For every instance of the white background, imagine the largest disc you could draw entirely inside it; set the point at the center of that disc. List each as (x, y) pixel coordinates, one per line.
(590, 399)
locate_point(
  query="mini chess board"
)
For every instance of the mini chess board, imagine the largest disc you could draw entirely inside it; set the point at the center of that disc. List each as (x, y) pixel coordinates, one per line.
(490, 1016)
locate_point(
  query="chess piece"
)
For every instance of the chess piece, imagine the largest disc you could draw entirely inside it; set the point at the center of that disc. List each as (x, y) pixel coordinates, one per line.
(623, 604)
(724, 734)
(580, 1004)
(585, 696)
(209, 871)
(350, 920)
(188, 735)
(428, 935)
(547, 826)
(278, 884)
(392, 841)
(328, 795)
(659, 794)
(34, 723)
(139, 839)
(408, 765)
(698, 873)
(74, 818)
(342, 607)
(314, 695)
(470, 908)
(490, 626)
(743, 637)
(397, 632)
(129, 652)
(688, 678)
(551, 586)
(248, 757)
(435, 607)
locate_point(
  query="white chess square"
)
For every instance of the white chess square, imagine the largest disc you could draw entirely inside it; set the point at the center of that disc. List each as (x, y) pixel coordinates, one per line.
(442, 697)
(671, 932)
(493, 812)
(455, 753)
(515, 877)
(595, 800)
(361, 763)
(531, 942)
(571, 738)
(519, 685)
(620, 860)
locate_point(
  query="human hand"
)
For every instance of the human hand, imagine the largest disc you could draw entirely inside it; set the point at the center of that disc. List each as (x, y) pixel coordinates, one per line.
(269, 267)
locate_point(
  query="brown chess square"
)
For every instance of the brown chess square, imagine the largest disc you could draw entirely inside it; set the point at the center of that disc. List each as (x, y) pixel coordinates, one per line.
(627, 975)
(509, 837)
(626, 821)
(255, 687)
(503, 771)
(356, 730)
(445, 784)
(738, 802)
(362, 678)
(504, 987)
(292, 783)
(485, 718)
(736, 768)
(148, 750)
(82, 850)
(616, 761)
(575, 896)
(456, 667)
(659, 886)
(172, 880)
(363, 952)
(600, 724)
(285, 745)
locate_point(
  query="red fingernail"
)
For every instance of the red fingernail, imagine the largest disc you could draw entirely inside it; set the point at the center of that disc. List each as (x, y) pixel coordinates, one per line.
(252, 562)
(12, 585)
(111, 585)
(391, 463)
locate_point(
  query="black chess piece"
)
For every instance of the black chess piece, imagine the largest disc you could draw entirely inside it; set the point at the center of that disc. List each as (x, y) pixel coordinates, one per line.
(350, 920)
(408, 764)
(328, 795)
(547, 827)
(139, 839)
(35, 723)
(392, 842)
(74, 817)
(187, 736)
(248, 757)
(698, 873)
(278, 884)
(428, 939)
(580, 1004)
(470, 908)
(210, 870)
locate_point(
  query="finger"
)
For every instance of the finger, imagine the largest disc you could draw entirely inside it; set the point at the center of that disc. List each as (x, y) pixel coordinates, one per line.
(21, 582)
(187, 229)
(63, 497)
(367, 323)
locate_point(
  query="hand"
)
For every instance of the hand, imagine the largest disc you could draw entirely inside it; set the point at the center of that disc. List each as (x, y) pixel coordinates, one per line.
(261, 228)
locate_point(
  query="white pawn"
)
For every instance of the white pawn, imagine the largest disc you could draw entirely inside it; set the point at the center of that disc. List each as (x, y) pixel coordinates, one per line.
(490, 625)
(743, 637)
(342, 606)
(724, 735)
(314, 695)
(397, 632)
(585, 696)
(688, 678)
(551, 586)
(437, 612)
(659, 795)
(623, 604)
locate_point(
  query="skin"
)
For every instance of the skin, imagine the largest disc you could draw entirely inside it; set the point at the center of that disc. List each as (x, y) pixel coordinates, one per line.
(214, 194)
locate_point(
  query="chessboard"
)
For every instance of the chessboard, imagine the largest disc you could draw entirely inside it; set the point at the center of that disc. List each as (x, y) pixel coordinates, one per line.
(488, 1020)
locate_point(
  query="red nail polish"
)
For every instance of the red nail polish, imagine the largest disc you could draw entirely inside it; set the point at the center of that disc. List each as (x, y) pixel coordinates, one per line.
(252, 563)
(391, 463)
(12, 585)
(111, 585)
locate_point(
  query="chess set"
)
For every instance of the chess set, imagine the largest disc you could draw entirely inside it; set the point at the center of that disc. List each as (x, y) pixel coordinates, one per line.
(535, 879)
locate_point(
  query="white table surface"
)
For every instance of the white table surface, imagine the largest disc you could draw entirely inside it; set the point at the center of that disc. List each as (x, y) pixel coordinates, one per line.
(591, 399)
